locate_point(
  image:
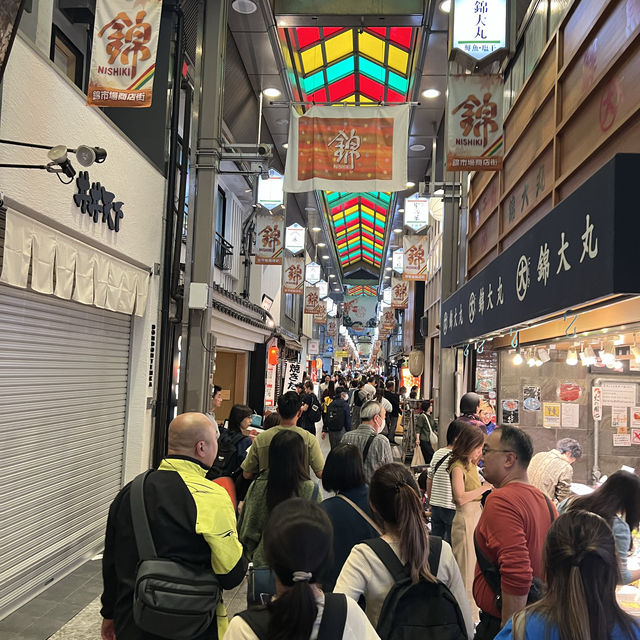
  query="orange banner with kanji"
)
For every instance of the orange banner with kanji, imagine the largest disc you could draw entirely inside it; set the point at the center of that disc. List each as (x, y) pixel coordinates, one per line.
(269, 239)
(348, 149)
(399, 294)
(311, 299)
(123, 57)
(415, 258)
(475, 106)
(293, 280)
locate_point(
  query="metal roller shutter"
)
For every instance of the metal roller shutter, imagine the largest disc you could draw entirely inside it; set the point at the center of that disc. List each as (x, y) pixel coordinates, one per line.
(63, 390)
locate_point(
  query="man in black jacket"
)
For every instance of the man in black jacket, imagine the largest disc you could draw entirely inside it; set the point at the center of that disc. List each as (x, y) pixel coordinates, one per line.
(392, 417)
(337, 419)
(311, 409)
(191, 519)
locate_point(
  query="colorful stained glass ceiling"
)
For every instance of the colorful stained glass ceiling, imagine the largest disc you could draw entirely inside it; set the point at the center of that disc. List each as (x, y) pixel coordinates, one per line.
(352, 65)
(359, 222)
(362, 290)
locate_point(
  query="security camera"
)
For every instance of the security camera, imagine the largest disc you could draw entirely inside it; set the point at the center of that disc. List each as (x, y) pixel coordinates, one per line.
(58, 155)
(86, 155)
(265, 149)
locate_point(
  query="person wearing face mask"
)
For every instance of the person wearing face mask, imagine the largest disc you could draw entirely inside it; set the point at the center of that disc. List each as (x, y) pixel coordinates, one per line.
(374, 447)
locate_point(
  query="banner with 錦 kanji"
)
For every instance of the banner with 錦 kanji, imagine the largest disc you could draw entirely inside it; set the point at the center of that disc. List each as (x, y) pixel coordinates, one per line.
(269, 239)
(311, 299)
(123, 56)
(388, 320)
(415, 258)
(399, 294)
(475, 122)
(332, 327)
(320, 313)
(293, 280)
(348, 149)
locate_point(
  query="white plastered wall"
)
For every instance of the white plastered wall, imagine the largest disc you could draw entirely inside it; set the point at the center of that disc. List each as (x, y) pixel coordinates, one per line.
(41, 106)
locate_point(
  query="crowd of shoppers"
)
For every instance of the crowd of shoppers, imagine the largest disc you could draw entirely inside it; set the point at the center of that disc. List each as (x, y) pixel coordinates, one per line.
(341, 566)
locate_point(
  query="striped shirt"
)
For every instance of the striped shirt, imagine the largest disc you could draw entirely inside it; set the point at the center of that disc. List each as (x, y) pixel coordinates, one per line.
(441, 482)
(552, 474)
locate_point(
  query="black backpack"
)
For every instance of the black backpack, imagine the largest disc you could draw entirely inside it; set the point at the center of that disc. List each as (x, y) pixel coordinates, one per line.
(359, 398)
(334, 420)
(314, 411)
(334, 618)
(227, 462)
(421, 610)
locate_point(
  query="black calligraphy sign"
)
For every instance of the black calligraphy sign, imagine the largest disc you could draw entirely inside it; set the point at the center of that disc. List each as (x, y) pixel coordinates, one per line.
(100, 205)
(583, 250)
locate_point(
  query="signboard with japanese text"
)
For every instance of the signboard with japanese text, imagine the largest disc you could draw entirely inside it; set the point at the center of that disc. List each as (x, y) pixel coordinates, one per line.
(348, 149)
(386, 295)
(332, 327)
(475, 108)
(311, 299)
(360, 313)
(581, 251)
(398, 260)
(123, 56)
(320, 313)
(270, 192)
(269, 239)
(388, 320)
(416, 213)
(270, 386)
(399, 294)
(415, 258)
(294, 238)
(323, 289)
(293, 279)
(479, 28)
(312, 272)
(293, 375)
(313, 347)
(596, 403)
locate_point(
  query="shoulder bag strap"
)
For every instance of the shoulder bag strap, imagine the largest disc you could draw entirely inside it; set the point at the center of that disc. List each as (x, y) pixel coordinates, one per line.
(389, 559)
(490, 571)
(362, 513)
(258, 619)
(435, 550)
(314, 495)
(141, 529)
(367, 447)
(440, 462)
(334, 617)
(550, 507)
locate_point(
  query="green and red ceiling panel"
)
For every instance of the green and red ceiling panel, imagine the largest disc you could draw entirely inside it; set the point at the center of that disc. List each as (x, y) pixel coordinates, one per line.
(352, 65)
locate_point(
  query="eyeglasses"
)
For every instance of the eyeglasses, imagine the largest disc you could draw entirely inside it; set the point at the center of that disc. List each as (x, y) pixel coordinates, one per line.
(486, 450)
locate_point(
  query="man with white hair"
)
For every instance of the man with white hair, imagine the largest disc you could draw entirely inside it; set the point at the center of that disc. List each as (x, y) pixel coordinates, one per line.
(375, 448)
(552, 471)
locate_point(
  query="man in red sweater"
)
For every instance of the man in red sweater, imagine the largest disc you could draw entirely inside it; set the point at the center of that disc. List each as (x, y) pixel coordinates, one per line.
(511, 530)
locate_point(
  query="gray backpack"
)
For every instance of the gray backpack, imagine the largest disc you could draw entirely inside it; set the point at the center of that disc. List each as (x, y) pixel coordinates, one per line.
(171, 599)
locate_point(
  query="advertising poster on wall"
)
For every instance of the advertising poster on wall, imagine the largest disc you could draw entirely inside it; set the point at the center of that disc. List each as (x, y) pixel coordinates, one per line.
(619, 417)
(621, 439)
(635, 417)
(510, 411)
(618, 394)
(531, 398)
(570, 415)
(269, 239)
(123, 57)
(551, 415)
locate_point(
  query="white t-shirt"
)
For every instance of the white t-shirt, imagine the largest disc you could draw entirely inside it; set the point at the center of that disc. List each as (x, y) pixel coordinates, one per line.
(364, 574)
(357, 626)
(386, 405)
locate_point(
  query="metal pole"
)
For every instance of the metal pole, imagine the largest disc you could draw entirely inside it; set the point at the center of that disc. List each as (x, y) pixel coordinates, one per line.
(260, 117)
(204, 190)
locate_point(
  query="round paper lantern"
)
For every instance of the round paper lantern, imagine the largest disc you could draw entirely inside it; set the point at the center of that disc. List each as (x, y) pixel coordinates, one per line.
(273, 356)
(416, 362)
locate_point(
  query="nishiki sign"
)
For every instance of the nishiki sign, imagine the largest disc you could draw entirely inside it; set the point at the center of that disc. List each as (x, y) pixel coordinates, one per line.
(583, 250)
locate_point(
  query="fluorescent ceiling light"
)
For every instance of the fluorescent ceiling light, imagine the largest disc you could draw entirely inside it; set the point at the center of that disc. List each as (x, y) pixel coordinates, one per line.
(445, 6)
(331, 275)
(271, 92)
(315, 229)
(400, 210)
(397, 231)
(322, 244)
(417, 147)
(285, 145)
(410, 184)
(325, 257)
(431, 93)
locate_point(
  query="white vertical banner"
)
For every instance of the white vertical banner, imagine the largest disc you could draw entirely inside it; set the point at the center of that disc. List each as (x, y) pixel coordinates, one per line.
(269, 239)
(414, 257)
(293, 281)
(399, 294)
(293, 375)
(123, 56)
(475, 117)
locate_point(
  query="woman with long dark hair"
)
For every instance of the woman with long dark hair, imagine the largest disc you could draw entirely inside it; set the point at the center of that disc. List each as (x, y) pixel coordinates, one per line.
(581, 568)
(285, 478)
(349, 509)
(467, 490)
(297, 543)
(395, 497)
(618, 502)
(238, 424)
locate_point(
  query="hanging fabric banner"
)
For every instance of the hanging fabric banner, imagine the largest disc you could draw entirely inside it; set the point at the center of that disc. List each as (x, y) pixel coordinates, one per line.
(348, 149)
(399, 294)
(360, 313)
(388, 320)
(475, 122)
(123, 56)
(332, 327)
(320, 313)
(269, 237)
(293, 275)
(415, 258)
(311, 299)
(293, 375)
